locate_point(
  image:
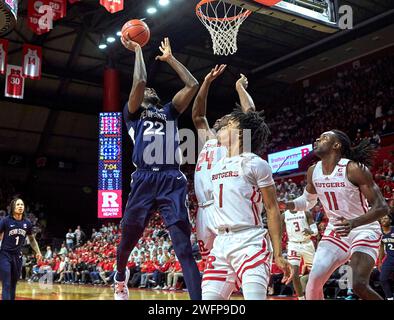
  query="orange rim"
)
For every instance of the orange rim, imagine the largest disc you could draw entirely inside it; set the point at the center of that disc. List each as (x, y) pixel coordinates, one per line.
(200, 14)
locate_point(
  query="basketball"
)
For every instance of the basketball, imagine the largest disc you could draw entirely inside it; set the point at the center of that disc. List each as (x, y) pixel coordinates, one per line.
(137, 30)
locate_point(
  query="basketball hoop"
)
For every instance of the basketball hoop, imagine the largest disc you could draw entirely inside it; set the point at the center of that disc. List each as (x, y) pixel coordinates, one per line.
(222, 21)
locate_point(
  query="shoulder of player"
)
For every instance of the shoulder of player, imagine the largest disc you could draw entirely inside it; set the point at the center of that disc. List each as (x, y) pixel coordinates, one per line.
(357, 172)
(252, 157)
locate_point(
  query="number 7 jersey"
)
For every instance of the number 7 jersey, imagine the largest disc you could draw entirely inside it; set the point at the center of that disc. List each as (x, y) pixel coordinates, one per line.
(339, 197)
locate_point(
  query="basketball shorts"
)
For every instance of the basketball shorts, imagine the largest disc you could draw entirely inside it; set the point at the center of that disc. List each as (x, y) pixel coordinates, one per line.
(205, 229)
(10, 265)
(237, 258)
(164, 191)
(365, 239)
(297, 251)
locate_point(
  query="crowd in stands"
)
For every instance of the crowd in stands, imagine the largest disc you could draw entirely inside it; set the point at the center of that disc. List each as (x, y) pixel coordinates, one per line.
(359, 101)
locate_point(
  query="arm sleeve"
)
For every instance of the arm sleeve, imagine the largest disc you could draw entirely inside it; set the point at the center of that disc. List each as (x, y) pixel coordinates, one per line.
(170, 111)
(258, 172)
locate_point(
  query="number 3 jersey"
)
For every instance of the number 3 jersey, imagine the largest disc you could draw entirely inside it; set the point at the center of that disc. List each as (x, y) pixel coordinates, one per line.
(340, 198)
(296, 223)
(154, 133)
(210, 154)
(236, 183)
(14, 234)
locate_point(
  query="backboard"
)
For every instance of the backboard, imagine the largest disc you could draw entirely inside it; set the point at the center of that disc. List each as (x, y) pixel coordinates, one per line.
(321, 15)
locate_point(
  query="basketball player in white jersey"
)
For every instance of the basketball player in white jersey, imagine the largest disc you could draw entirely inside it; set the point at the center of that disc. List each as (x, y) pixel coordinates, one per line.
(353, 204)
(210, 154)
(242, 250)
(300, 226)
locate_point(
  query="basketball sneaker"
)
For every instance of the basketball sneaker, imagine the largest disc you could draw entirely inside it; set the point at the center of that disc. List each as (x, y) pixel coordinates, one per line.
(121, 291)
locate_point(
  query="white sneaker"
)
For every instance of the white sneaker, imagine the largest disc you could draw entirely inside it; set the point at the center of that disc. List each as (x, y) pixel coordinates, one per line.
(121, 291)
(157, 288)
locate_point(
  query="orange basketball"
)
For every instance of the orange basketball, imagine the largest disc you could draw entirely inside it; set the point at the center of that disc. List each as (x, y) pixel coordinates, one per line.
(137, 30)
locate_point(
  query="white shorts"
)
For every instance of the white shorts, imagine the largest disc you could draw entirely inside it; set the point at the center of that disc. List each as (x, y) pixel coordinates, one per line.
(296, 251)
(365, 239)
(205, 229)
(238, 258)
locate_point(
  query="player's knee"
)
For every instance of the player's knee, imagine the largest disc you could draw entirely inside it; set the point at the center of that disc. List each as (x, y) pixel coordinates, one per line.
(211, 295)
(254, 291)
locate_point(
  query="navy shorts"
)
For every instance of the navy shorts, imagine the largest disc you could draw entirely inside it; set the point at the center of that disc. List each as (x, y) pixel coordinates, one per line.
(164, 191)
(10, 265)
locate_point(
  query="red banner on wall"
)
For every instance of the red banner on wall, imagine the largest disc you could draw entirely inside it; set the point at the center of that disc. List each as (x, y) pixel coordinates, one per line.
(112, 5)
(42, 13)
(14, 82)
(32, 61)
(3, 55)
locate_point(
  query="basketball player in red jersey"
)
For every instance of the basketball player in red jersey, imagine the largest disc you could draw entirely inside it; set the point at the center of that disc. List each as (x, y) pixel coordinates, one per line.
(353, 204)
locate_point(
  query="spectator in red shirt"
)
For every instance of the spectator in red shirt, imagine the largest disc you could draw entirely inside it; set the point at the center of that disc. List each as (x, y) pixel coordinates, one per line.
(147, 269)
(173, 273)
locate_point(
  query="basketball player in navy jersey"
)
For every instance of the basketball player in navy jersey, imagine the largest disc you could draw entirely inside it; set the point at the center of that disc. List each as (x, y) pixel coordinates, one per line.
(387, 245)
(157, 183)
(14, 229)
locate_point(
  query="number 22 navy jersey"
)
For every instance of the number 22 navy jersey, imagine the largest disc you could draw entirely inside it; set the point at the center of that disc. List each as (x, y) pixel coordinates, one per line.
(14, 233)
(154, 133)
(388, 241)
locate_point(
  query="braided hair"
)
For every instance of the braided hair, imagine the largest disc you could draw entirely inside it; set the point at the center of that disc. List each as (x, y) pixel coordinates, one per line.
(255, 122)
(363, 153)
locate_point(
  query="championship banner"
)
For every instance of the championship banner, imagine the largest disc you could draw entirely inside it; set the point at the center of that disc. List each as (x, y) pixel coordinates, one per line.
(42, 13)
(59, 8)
(112, 5)
(32, 61)
(14, 82)
(110, 165)
(3, 55)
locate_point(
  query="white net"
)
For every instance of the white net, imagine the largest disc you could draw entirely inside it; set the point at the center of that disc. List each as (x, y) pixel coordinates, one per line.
(223, 21)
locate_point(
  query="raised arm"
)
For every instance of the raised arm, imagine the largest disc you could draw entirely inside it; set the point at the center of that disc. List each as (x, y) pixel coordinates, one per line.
(139, 78)
(183, 98)
(35, 247)
(199, 111)
(274, 228)
(245, 99)
(361, 177)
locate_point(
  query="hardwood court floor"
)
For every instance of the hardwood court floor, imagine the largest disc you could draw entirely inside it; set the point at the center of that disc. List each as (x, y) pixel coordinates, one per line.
(35, 291)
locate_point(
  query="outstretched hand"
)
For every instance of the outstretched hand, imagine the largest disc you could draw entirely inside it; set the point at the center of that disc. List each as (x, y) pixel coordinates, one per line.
(165, 49)
(129, 44)
(242, 82)
(215, 72)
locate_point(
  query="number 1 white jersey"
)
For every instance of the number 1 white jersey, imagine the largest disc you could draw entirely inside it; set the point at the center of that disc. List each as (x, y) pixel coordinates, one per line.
(295, 225)
(210, 154)
(340, 198)
(236, 185)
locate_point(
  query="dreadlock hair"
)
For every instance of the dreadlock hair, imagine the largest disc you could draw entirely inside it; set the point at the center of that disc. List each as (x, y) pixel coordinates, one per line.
(363, 153)
(255, 122)
(13, 205)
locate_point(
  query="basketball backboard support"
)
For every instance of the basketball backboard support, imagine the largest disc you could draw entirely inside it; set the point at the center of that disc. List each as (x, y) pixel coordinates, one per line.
(320, 15)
